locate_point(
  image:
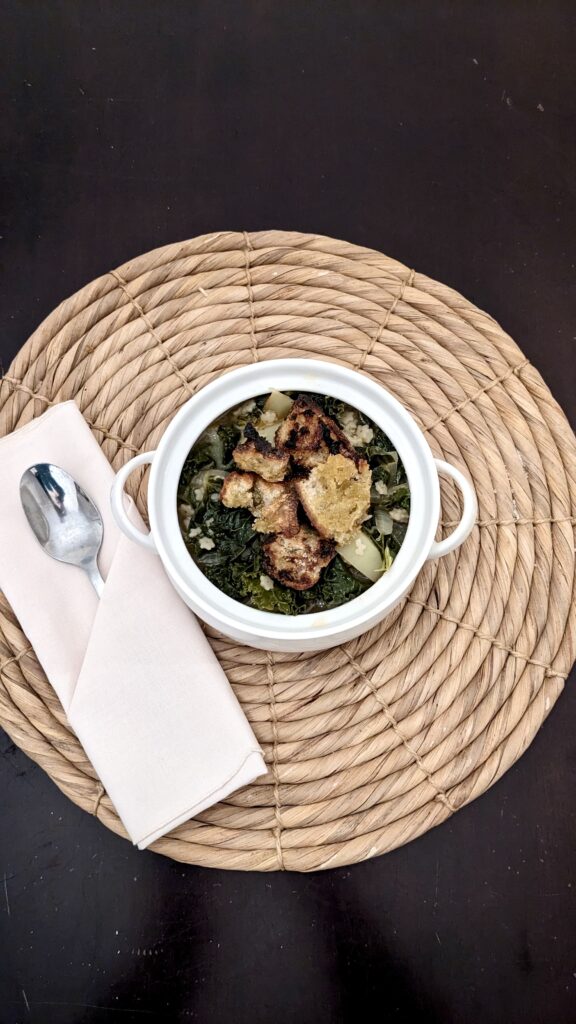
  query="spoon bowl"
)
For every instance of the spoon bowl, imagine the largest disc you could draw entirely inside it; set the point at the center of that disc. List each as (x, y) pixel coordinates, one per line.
(63, 518)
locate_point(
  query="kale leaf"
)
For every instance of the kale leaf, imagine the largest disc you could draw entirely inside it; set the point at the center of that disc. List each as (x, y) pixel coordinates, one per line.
(337, 584)
(229, 528)
(379, 446)
(229, 436)
(333, 407)
(200, 457)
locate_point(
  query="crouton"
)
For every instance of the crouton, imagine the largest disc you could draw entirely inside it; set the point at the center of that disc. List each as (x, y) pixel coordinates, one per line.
(237, 490)
(311, 436)
(273, 505)
(297, 561)
(257, 455)
(307, 460)
(301, 431)
(275, 508)
(336, 496)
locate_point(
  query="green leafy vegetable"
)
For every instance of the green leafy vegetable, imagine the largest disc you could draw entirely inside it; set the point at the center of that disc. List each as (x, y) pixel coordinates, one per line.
(229, 436)
(199, 458)
(338, 584)
(333, 407)
(379, 446)
(278, 599)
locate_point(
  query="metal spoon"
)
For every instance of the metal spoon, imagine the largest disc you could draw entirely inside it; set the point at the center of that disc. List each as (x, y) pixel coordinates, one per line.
(63, 518)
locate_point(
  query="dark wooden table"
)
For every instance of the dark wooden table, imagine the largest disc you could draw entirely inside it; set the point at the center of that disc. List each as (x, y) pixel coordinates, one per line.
(443, 134)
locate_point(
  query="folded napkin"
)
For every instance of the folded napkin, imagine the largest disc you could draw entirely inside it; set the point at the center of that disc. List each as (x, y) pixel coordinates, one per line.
(134, 673)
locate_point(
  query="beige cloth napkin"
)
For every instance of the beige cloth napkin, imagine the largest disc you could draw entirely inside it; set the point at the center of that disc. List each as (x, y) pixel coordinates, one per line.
(138, 681)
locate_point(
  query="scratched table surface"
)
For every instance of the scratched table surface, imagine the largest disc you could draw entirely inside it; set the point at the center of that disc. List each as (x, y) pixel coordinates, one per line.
(442, 134)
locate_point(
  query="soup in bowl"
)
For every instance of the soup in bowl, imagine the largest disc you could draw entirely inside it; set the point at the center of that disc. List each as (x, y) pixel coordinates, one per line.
(293, 502)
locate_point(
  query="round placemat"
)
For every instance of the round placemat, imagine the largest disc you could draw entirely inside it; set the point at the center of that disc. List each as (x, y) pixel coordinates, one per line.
(372, 743)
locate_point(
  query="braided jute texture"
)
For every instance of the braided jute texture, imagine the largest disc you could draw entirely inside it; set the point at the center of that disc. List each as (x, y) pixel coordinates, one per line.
(372, 743)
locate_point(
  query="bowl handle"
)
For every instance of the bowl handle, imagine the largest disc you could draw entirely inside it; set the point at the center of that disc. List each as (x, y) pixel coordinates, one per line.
(117, 501)
(466, 524)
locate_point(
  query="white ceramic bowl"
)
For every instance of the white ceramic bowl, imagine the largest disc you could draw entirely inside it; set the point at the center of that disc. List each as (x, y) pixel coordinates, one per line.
(267, 630)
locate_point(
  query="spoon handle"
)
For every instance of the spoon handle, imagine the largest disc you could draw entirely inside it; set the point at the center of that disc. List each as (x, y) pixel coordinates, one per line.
(95, 578)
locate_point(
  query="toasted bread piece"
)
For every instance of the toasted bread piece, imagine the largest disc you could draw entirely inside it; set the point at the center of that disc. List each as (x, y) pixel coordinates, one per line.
(297, 561)
(308, 459)
(257, 455)
(273, 505)
(301, 431)
(336, 496)
(311, 436)
(237, 490)
(275, 508)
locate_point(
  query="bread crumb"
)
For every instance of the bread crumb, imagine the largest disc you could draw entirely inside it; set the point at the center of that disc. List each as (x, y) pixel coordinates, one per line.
(185, 515)
(365, 434)
(195, 532)
(206, 543)
(268, 417)
(266, 583)
(357, 433)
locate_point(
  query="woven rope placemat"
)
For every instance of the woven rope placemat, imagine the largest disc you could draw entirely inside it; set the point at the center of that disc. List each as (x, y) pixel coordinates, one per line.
(372, 743)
